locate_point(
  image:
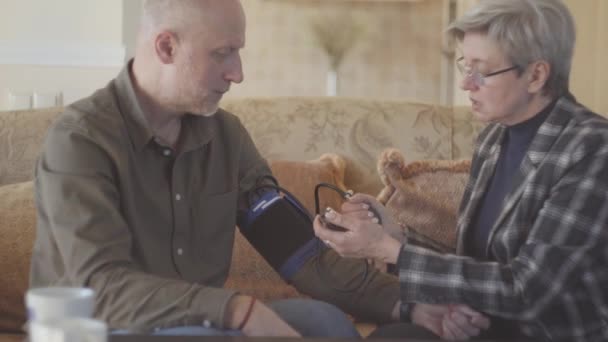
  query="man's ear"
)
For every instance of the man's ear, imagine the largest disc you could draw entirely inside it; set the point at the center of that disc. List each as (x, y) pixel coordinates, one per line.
(165, 46)
(538, 75)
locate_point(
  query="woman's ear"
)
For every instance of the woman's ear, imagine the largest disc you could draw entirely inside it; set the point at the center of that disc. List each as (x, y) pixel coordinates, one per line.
(165, 46)
(538, 75)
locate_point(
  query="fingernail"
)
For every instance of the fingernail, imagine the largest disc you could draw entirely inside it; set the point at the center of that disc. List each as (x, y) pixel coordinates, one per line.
(365, 206)
(375, 220)
(370, 214)
(330, 214)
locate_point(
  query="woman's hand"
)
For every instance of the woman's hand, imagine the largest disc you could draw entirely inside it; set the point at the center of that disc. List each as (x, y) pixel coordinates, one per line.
(366, 207)
(363, 238)
(450, 322)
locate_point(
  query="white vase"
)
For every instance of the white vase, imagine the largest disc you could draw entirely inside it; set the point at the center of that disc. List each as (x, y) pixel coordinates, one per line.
(332, 82)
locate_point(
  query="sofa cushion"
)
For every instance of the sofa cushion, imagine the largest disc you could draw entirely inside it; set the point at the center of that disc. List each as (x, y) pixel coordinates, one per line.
(21, 136)
(17, 228)
(300, 178)
(424, 196)
(12, 338)
(249, 272)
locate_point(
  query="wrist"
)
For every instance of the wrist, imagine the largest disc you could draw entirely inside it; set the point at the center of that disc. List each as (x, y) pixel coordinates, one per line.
(238, 311)
(389, 250)
(405, 312)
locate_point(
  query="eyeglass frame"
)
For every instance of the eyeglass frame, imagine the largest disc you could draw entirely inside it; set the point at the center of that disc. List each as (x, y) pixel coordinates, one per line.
(479, 79)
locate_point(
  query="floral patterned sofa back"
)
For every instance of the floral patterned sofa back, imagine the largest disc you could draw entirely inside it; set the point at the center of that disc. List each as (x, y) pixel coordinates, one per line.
(302, 128)
(295, 128)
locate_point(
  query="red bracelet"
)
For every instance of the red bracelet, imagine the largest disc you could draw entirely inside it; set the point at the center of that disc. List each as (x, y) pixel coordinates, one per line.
(247, 314)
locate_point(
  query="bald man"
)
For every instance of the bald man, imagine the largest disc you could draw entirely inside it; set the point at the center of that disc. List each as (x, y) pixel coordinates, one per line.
(139, 185)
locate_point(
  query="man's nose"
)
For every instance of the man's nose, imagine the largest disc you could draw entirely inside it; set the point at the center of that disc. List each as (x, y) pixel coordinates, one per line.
(234, 73)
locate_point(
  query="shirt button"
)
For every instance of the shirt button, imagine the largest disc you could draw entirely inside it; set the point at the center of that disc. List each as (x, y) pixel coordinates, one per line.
(206, 323)
(178, 197)
(167, 152)
(180, 251)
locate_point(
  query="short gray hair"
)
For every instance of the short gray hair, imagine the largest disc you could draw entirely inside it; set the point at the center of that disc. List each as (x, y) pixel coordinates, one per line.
(173, 15)
(526, 31)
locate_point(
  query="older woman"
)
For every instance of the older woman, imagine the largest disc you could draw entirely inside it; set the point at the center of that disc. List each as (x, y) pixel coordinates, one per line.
(533, 222)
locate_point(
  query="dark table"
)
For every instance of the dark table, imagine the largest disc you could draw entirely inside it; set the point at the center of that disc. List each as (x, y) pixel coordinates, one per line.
(148, 338)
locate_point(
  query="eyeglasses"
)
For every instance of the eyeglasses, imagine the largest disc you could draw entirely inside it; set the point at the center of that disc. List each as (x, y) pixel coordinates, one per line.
(477, 77)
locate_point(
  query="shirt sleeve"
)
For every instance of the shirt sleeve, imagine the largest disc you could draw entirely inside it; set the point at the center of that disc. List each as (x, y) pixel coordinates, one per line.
(79, 217)
(566, 237)
(253, 169)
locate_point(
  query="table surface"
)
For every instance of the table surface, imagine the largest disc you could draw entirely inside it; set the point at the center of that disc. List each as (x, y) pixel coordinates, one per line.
(143, 338)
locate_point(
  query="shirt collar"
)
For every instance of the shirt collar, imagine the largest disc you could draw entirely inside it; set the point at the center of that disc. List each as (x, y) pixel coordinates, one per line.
(195, 131)
(137, 126)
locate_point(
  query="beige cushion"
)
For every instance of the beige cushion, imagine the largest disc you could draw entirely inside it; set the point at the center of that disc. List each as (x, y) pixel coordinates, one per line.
(17, 229)
(300, 178)
(21, 136)
(250, 273)
(11, 338)
(424, 196)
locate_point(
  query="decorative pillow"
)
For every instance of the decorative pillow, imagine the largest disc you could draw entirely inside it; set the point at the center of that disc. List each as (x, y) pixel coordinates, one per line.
(300, 178)
(250, 273)
(17, 229)
(424, 196)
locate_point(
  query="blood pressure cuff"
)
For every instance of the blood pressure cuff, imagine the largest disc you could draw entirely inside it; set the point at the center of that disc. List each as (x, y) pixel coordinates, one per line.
(281, 231)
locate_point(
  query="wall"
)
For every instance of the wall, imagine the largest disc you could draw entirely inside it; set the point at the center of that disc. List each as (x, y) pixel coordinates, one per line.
(398, 56)
(589, 81)
(48, 47)
(401, 54)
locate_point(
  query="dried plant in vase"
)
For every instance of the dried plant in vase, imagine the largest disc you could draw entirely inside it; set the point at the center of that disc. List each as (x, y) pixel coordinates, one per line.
(336, 35)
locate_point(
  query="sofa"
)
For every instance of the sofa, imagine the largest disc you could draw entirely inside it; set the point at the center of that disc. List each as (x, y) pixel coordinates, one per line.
(306, 139)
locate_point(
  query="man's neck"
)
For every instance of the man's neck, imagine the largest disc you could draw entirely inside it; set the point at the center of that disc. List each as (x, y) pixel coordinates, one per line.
(165, 124)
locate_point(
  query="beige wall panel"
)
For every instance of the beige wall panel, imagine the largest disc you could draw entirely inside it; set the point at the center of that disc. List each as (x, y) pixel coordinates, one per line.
(589, 81)
(399, 56)
(601, 81)
(582, 82)
(61, 20)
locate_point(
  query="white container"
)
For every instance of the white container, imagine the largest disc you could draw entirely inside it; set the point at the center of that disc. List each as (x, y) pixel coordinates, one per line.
(69, 330)
(55, 303)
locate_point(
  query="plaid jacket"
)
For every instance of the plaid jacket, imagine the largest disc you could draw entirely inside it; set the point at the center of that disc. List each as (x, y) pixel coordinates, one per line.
(549, 243)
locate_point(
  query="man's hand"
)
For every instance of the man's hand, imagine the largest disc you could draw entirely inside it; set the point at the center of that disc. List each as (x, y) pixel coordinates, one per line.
(450, 322)
(262, 321)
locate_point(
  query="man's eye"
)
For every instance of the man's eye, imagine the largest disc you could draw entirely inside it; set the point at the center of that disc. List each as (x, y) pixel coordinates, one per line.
(223, 53)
